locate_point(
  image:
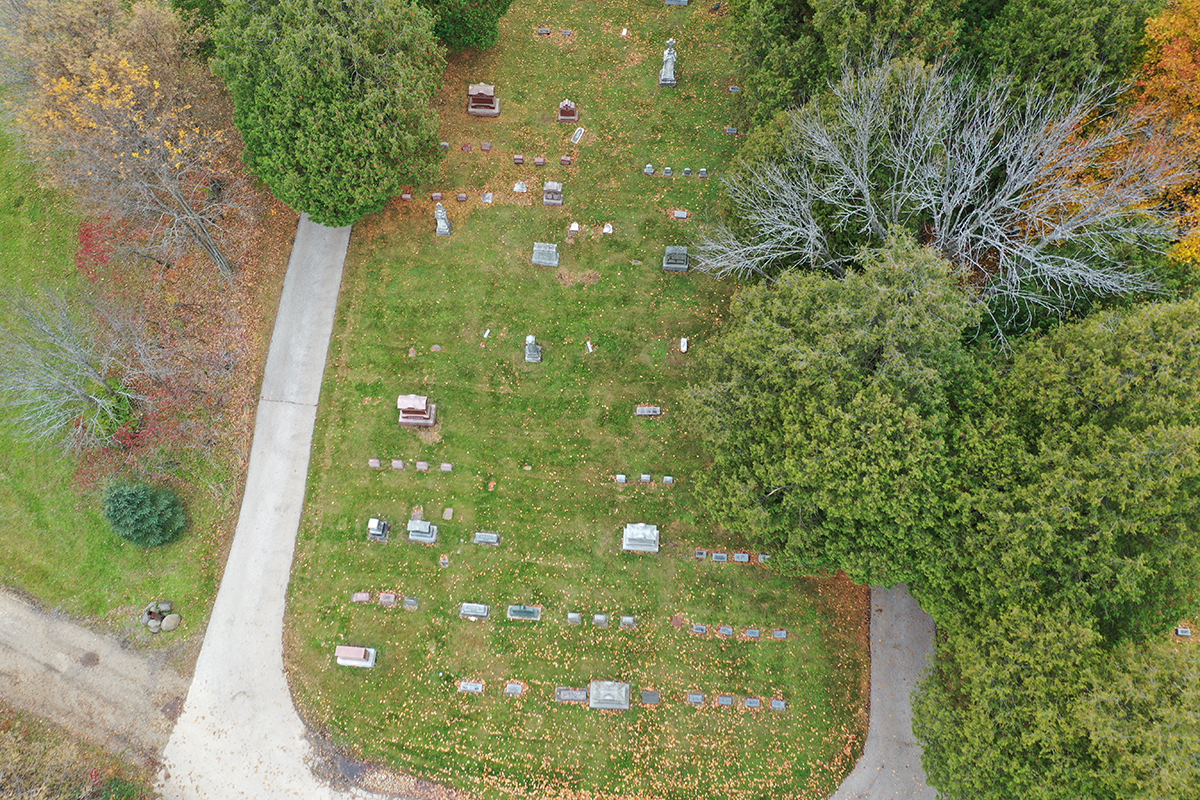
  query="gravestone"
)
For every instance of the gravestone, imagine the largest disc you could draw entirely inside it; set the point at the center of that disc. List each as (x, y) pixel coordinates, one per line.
(545, 254)
(411, 604)
(539, 161)
(640, 537)
(753, 702)
(763, 558)
(552, 193)
(416, 410)
(648, 411)
(374, 463)
(1184, 632)
(387, 599)
(573, 228)
(468, 147)
(422, 466)
(520, 187)
(780, 634)
(443, 222)
(753, 633)
(544, 31)
(518, 159)
(687, 172)
(600, 620)
(703, 172)
(620, 478)
(448, 514)
(720, 557)
(565, 694)
(629, 623)
(486, 147)
(447, 466)
(444, 145)
(377, 530)
(725, 700)
(567, 112)
(741, 558)
(609, 695)
(471, 687)
(648, 169)
(778, 705)
(577, 136)
(435, 196)
(360, 597)
(699, 629)
(675, 2)
(565, 161)
(574, 618)
(420, 530)
(487, 197)
(701, 554)
(695, 698)
(461, 197)
(650, 698)
(487, 537)
(406, 196)
(474, 611)
(533, 350)
(530, 613)
(482, 100)
(668, 172)
(725, 630)
(668, 480)
(647, 478)
(397, 463)
(666, 75)
(513, 689)
(675, 259)
(679, 213)
(352, 656)
(607, 227)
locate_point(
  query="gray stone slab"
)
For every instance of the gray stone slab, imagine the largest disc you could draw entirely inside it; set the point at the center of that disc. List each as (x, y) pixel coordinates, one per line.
(741, 558)
(471, 687)
(763, 558)
(448, 514)
(513, 689)
(530, 613)
(411, 604)
(695, 698)
(447, 467)
(609, 695)
(668, 480)
(374, 463)
(753, 702)
(780, 634)
(576, 136)
(422, 466)
(725, 630)
(545, 254)
(648, 411)
(753, 633)
(778, 705)
(487, 537)
(629, 622)
(422, 531)
(675, 258)
(1183, 632)
(701, 554)
(387, 599)
(725, 700)
(675, 2)
(600, 620)
(397, 463)
(474, 611)
(640, 537)
(699, 629)
(680, 213)
(488, 197)
(722, 557)
(360, 597)
(650, 698)
(647, 478)
(565, 694)
(621, 478)
(574, 617)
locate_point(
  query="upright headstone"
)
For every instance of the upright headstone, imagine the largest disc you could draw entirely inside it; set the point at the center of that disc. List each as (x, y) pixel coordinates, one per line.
(648, 169)
(416, 410)
(443, 223)
(675, 259)
(666, 76)
(482, 100)
(533, 350)
(552, 193)
(545, 254)
(567, 112)
(420, 530)
(640, 537)
(668, 172)
(377, 530)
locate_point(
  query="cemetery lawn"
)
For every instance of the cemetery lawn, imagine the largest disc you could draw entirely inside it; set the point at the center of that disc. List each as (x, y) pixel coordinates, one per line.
(534, 449)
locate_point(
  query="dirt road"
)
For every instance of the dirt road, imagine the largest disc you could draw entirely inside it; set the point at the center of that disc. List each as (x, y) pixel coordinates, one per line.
(120, 699)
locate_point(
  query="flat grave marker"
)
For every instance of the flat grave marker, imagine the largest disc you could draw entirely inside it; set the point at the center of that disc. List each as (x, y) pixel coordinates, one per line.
(387, 599)
(487, 537)
(360, 597)
(721, 557)
(701, 554)
(725, 630)
(513, 689)
(521, 612)
(628, 622)
(695, 698)
(753, 702)
(471, 687)
(780, 634)
(574, 618)
(600, 620)
(778, 705)
(650, 698)
(411, 604)
(374, 463)
(753, 633)
(648, 411)
(699, 629)
(725, 700)
(474, 611)
(741, 558)
(566, 694)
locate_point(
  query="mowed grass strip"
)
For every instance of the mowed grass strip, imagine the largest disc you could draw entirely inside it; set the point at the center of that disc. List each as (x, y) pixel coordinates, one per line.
(570, 420)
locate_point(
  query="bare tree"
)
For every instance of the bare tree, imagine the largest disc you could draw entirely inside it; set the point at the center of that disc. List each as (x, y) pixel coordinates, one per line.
(120, 120)
(70, 369)
(1029, 197)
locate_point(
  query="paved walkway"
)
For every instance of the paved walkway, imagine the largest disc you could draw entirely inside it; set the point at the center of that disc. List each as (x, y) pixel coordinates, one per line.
(239, 735)
(55, 668)
(901, 644)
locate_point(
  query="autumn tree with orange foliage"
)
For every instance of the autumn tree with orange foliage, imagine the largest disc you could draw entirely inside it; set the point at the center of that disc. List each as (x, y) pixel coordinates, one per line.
(1171, 81)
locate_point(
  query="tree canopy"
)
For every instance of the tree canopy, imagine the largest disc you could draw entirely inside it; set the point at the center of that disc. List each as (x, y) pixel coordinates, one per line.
(333, 99)
(463, 24)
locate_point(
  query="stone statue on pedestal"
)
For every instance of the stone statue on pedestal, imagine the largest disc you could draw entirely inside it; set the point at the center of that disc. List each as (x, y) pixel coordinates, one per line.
(666, 76)
(443, 223)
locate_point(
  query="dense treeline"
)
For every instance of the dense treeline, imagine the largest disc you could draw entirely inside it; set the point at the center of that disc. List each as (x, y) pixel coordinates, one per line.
(790, 49)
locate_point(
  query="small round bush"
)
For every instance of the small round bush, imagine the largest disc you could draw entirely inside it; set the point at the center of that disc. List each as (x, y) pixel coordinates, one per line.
(143, 514)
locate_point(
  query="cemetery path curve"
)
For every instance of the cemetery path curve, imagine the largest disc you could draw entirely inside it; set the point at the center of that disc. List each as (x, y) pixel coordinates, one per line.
(239, 735)
(901, 645)
(122, 700)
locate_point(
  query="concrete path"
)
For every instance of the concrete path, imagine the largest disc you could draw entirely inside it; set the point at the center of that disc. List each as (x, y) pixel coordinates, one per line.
(239, 735)
(901, 645)
(55, 668)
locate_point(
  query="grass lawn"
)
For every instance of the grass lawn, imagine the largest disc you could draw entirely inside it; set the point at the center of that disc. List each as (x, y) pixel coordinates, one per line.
(54, 543)
(534, 449)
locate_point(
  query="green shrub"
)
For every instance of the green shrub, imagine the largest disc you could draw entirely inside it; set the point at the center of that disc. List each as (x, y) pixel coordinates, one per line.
(143, 514)
(121, 789)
